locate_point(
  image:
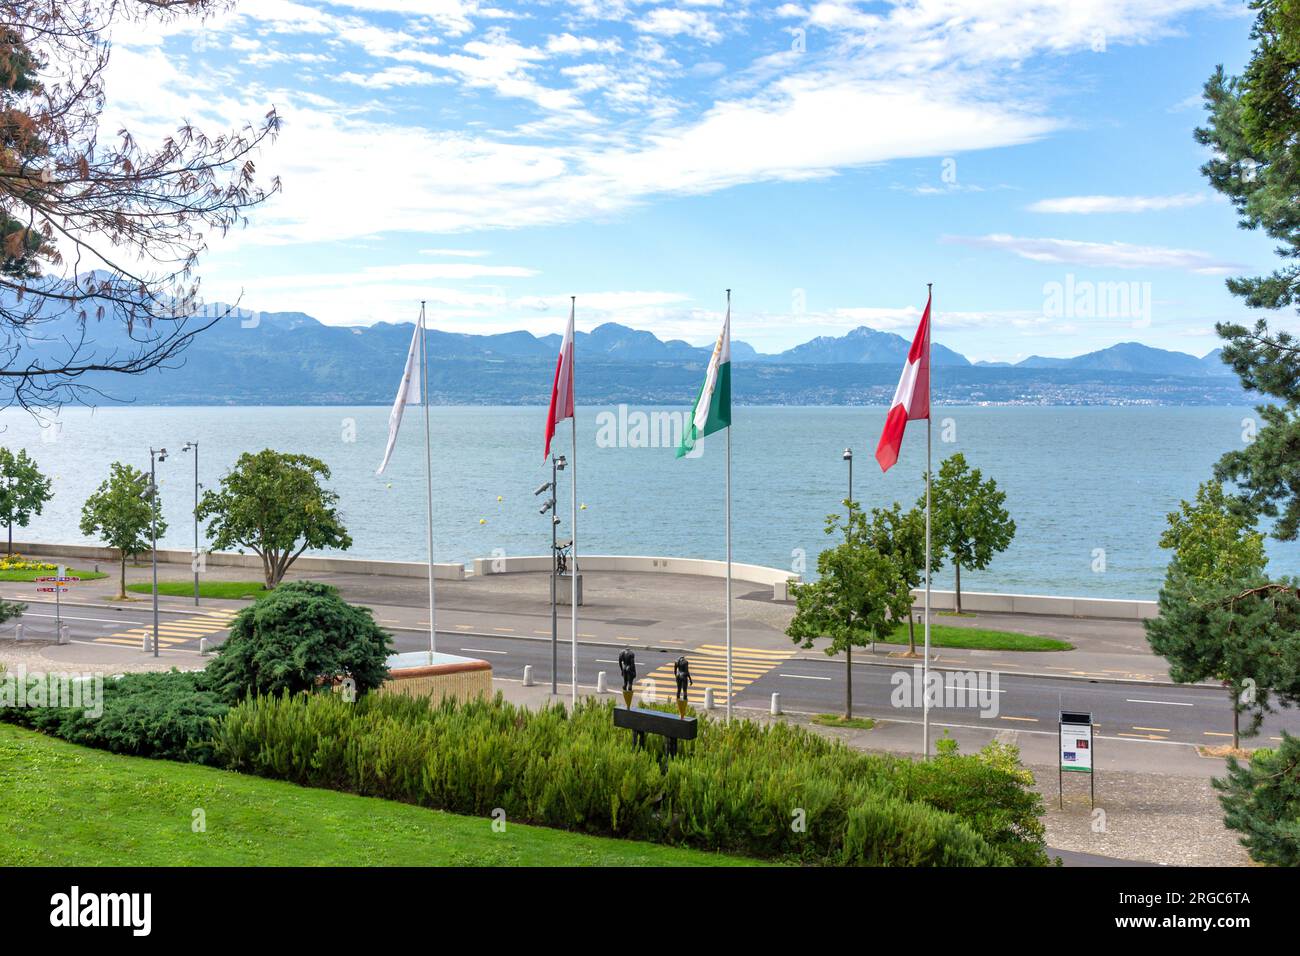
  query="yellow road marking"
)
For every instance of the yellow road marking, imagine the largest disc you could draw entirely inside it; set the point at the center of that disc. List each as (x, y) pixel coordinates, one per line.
(1158, 730)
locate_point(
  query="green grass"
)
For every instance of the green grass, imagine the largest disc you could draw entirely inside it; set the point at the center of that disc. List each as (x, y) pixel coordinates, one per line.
(980, 639)
(233, 590)
(66, 805)
(851, 723)
(15, 575)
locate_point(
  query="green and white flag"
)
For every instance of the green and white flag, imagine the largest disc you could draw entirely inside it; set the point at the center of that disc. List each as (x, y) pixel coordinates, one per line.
(712, 410)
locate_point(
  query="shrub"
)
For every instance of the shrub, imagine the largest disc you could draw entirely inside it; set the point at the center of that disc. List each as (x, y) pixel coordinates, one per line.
(168, 715)
(774, 791)
(299, 635)
(1261, 801)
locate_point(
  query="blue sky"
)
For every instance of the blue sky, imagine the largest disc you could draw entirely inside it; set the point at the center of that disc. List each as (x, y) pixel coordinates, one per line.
(823, 159)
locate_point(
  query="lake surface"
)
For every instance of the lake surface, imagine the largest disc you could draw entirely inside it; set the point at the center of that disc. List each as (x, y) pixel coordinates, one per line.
(1080, 481)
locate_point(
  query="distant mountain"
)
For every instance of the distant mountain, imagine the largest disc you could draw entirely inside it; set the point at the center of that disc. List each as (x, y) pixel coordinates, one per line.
(1132, 357)
(862, 345)
(1213, 363)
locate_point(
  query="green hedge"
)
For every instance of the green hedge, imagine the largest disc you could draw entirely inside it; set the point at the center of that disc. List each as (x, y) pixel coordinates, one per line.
(740, 788)
(165, 714)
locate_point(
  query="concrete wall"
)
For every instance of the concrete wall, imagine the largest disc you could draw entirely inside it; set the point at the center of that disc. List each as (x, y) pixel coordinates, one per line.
(401, 569)
(1107, 608)
(774, 578)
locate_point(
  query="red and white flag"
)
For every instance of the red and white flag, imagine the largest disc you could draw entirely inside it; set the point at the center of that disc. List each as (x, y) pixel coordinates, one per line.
(912, 397)
(562, 390)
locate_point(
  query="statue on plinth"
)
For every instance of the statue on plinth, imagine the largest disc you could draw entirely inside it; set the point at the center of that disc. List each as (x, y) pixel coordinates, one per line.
(627, 668)
(682, 674)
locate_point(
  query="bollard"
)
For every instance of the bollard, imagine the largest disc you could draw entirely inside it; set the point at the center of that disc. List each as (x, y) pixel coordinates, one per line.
(144, 643)
(528, 675)
(203, 647)
(63, 634)
(776, 704)
(601, 688)
(18, 632)
(708, 698)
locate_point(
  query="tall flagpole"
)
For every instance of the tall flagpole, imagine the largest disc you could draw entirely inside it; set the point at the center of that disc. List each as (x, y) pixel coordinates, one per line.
(729, 684)
(428, 482)
(573, 517)
(925, 680)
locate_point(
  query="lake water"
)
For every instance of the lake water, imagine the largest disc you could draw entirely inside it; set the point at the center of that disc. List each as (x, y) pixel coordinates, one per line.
(1080, 481)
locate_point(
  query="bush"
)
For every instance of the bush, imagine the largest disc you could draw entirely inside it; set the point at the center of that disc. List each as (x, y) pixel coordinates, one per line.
(296, 637)
(168, 715)
(1261, 800)
(774, 791)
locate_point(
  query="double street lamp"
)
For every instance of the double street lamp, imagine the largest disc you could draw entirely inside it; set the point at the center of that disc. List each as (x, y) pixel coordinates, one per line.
(156, 456)
(194, 447)
(557, 466)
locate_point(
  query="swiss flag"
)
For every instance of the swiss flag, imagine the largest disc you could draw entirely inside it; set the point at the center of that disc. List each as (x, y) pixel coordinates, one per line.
(911, 398)
(562, 390)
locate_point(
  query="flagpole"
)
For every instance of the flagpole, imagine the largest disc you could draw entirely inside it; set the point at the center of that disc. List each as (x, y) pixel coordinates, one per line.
(428, 482)
(925, 680)
(729, 684)
(573, 520)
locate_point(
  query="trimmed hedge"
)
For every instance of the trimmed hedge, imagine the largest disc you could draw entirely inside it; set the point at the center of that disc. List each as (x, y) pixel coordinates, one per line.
(162, 714)
(774, 791)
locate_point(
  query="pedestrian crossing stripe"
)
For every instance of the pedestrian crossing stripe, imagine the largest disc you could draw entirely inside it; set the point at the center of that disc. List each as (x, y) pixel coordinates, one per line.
(709, 669)
(171, 633)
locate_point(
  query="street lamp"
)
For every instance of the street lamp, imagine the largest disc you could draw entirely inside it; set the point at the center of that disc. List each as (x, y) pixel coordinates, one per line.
(194, 447)
(557, 466)
(156, 456)
(848, 456)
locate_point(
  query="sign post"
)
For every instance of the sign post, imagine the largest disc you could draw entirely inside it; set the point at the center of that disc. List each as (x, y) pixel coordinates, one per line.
(1076, 752)
(56, 585)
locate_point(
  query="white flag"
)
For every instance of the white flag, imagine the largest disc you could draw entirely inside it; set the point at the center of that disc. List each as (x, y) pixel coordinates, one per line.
(408, 393)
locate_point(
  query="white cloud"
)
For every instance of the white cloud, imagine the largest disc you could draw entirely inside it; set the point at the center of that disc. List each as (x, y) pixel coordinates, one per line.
(1087, 205)
(1116, 255)
(390, 77)
(670, 22)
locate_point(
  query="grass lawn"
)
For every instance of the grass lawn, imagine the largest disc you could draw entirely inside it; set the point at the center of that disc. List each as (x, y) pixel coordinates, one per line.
(838, 720)
(235, 590)
(979, 639)
(33, 575)
(66, 805)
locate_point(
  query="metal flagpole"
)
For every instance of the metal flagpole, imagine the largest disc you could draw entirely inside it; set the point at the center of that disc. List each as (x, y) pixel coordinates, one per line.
(573, 519)
(729, 684)
(428, 480)
(925, 679)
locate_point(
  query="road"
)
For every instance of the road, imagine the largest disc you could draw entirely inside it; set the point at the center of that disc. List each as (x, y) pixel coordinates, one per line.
(1020, 702)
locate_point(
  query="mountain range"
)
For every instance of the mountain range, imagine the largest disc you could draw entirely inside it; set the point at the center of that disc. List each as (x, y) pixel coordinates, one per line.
(291, 358)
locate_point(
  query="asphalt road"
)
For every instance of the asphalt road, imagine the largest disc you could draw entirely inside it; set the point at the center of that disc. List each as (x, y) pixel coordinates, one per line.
(1026, 703)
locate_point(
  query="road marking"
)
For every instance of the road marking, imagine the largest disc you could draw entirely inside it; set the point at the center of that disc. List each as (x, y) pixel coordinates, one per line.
(459, 627)
(1030, 719)
(803, 676)
(1157, 730)
(1211, 733)
(475, 650)
(1142, 736)
(709, 669)
(1167, 703)
(507, 630)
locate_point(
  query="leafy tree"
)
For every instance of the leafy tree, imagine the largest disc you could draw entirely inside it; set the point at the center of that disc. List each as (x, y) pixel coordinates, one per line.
(74, 193)
(121, 512)
(273, 504)
(1214, 543)
(968, 521)
(1242, 634)
(1261, 800)
(23, 490)
(296, 638)
(858, 594)
(900, 536)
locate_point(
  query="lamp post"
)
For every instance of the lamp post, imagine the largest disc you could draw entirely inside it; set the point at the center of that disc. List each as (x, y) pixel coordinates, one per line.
(848, 456)
(194, 447)
(557, 465)
(155, 456)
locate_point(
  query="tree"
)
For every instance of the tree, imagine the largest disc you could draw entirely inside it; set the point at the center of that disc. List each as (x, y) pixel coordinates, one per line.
(273, 504)
(968, 521)
(121, 513)
(900, 536)
(1261, 800)
(23, 490)
(1214, 543)
(99, 235)
(859, 594)
(295, 639)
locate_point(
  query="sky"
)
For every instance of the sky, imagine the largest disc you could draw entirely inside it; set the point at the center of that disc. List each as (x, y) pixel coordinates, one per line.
(1033, 159)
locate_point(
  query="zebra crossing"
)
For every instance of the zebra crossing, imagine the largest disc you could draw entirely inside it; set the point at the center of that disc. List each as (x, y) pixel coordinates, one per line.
(174, 630)
(709, 669)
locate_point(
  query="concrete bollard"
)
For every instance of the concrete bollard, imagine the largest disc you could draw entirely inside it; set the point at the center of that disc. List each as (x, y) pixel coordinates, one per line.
(18, 632)
(708, 698)
(63, 634)
(528, 675)
(203, 647)
(601, 687)
(776, 704)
